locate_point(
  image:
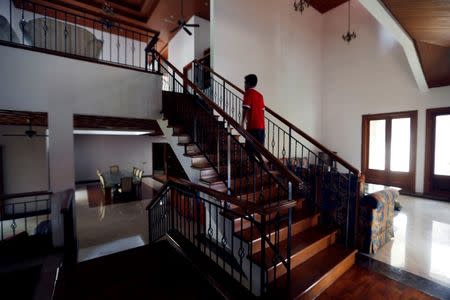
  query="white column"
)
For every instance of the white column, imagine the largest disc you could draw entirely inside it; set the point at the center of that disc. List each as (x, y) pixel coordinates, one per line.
(61, 161)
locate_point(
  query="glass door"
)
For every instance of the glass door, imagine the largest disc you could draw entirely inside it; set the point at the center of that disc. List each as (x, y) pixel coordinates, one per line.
(388, 149)
(437, 156)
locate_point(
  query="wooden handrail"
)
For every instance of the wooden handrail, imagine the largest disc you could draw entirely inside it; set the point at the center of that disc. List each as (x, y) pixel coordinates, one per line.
(292, 126)
(248, 137)
(249, 207)
(24, 195)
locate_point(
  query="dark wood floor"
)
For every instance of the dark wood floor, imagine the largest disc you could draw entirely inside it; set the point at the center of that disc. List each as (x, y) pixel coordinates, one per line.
(360, 283)
(148, 272)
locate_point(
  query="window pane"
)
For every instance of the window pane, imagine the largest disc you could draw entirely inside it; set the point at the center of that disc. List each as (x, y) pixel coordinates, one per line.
(400, 144)
(377, 144)
(442, 146)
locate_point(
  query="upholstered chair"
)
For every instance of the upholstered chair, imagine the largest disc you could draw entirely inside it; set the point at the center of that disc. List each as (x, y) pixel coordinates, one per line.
(114, 169)
(376, 221)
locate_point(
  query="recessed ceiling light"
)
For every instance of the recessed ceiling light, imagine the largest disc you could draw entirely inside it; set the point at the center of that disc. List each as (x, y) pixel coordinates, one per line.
(112, 132)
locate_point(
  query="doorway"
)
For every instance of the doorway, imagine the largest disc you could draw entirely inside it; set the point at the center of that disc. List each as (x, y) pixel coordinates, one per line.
(437, 153)
(389, 149)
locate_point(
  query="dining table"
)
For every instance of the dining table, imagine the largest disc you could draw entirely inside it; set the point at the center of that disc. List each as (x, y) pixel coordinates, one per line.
(112, 180)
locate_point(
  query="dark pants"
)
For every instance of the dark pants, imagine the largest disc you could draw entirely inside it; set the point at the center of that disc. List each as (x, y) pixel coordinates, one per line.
(259, 135)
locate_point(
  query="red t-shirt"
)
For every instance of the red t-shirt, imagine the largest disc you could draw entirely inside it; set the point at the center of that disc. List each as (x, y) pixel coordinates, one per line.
(254, 103)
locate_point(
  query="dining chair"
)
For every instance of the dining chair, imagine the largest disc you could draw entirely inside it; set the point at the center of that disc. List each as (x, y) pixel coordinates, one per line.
(126, 186)
(98, 172)
(114, 169)
(102, 182)
(135, 170)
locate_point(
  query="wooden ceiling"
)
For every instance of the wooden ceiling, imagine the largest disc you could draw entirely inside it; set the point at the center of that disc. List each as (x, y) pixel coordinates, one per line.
(20, 118)
(148, 14)
(325, 5)
(428, 24)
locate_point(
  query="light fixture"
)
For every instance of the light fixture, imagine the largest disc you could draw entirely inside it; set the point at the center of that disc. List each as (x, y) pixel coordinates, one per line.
(349, 36)
(109, 12)
(300, 5)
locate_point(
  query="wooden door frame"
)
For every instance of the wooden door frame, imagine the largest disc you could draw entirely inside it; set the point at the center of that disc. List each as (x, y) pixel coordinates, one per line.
(429, 148)
(376, 176)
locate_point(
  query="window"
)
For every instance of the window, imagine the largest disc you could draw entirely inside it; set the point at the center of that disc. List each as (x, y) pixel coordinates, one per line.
(388, 149)
(437, 153)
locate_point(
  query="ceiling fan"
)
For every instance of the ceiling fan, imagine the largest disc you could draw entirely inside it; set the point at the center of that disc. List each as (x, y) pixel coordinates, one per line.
(182, 22)
(29, 133)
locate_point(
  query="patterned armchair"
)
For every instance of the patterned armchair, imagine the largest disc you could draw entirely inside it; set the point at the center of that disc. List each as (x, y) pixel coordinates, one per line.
(376, 220)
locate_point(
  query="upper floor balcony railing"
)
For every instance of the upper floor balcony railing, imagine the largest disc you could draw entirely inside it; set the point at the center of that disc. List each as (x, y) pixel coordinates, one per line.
(28, 24)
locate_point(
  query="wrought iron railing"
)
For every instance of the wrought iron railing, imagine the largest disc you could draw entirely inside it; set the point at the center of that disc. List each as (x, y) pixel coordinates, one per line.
(242, 173)
(32, 25)
(24, 212)
(198, 215)
(331, 184)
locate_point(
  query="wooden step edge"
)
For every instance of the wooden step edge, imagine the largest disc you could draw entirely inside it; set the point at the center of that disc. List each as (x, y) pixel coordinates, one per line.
(329, 277)
(299, 257)
(201, 166)
(308, 220)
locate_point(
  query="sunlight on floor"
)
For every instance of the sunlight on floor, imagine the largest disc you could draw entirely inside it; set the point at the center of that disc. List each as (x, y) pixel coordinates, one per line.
(421, 244)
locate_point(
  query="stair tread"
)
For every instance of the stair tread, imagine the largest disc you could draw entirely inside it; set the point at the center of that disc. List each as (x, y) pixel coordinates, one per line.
(300, 241)
(202, 165)
(212, 180)
(307, 274)
(250, 234)
(234, 213)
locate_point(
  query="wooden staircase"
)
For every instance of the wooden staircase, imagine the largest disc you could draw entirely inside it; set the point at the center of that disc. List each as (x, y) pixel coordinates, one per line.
(316, 259)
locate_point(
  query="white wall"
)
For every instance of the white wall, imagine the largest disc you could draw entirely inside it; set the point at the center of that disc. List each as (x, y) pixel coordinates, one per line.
(63, 87)
(184, 48)
(101, 151)
(369, 75)
(25, 164)
(281, 46)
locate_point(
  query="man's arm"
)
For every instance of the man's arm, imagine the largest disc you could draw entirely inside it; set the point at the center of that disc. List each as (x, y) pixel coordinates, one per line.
(244, 116)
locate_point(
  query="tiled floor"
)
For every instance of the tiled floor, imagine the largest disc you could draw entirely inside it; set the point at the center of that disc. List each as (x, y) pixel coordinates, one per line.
(422, 239)
(112, 228)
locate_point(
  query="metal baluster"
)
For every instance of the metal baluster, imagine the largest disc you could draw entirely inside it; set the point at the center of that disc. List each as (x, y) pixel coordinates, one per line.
(118, 44)
(45, 27)
(22, 23)
(65, 32)
(126, 50)
(347, 223)
(93, 39)
(10, 38)
(34, 25)
(76, 29)
(56, 31)
(25, 216)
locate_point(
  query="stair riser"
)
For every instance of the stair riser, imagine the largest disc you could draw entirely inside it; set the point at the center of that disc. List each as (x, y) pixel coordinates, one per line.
(302, 256)
(199, 160)
(268, 195)
(327, 280)
(207, 173)
(296, 228)
(184, 139)
(192, 148)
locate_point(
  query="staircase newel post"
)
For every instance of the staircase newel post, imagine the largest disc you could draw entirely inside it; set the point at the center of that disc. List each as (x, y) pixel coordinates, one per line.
(223, 96)
(289, 151)
(146, 60)
(198, 218)
(289, 239)
(263, 254)
(229, 159)
(173, 80)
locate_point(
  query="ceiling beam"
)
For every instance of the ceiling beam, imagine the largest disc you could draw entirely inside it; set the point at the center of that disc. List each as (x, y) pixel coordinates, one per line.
(382, 14)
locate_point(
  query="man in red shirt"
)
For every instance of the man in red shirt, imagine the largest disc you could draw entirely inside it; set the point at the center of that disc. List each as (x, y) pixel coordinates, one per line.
(253, 113)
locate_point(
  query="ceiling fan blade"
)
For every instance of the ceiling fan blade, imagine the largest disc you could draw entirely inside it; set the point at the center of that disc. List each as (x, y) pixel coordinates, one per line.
(175, 29)
(187, 30)
(13, 135)
(192, 25)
